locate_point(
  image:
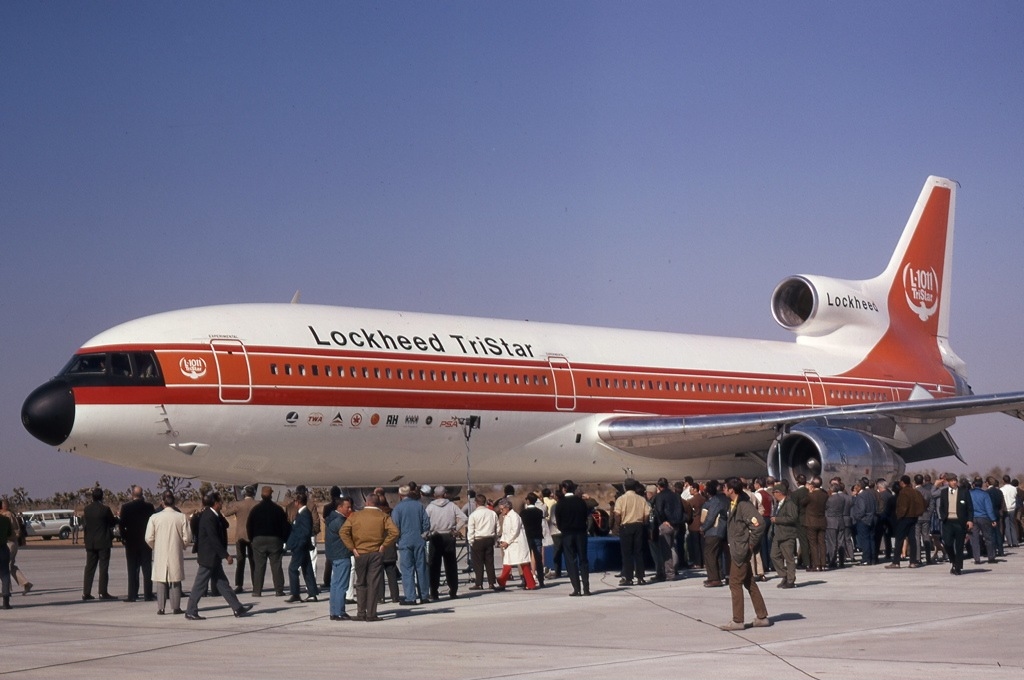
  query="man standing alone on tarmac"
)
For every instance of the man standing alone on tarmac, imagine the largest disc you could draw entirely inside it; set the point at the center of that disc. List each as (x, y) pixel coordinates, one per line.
(745, 528)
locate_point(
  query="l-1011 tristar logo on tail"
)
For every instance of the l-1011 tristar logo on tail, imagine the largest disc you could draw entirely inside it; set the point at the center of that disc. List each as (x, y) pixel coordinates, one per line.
(921, 287)
(194, 368)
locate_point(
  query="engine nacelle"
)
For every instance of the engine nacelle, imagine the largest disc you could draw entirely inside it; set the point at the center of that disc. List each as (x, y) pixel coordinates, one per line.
(817, 305)
(811, 449)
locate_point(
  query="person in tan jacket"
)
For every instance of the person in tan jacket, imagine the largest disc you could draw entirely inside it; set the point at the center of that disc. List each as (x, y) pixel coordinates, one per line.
(367, 533)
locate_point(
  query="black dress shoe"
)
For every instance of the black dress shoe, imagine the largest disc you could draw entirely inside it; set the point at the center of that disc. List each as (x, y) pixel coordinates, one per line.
(194, 617)
(343, 617)
(131, 599)
(586, 592)
(293, 599)
(311, 598)
(178, 611)
(160, 612)
(239, 590)
(373, 618)
(407, 603)
(107, 596)
(243, 610)
(86, 598)
(575, 593)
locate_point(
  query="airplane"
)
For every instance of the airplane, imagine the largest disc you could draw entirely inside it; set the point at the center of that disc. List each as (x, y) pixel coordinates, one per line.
(296, 393)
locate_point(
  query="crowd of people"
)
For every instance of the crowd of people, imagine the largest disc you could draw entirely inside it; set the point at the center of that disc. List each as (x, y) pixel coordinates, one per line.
(736, 532)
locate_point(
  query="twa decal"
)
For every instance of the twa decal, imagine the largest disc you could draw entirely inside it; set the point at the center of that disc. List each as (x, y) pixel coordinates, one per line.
(921, 287)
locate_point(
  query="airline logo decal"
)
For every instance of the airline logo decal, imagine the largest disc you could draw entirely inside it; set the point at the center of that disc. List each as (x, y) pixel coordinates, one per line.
(315, 419)
(338, 420)
(194, 368)
(921, 287)
(291, 418)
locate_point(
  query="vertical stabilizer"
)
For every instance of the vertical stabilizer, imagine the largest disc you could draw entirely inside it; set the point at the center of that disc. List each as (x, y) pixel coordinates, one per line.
(916, 285)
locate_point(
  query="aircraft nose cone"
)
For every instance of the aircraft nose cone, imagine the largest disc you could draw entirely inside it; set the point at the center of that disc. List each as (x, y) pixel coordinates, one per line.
(49, 412)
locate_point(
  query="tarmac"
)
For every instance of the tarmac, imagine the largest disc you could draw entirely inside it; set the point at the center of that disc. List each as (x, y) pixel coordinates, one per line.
(858, 621)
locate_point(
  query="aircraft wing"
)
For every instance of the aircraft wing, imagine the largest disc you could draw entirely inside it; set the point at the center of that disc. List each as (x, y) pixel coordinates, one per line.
(675, 437)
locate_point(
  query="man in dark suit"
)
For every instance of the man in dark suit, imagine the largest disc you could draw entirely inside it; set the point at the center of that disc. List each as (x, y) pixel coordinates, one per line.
(134, 517)
(956, 510)
(299, 541)
(99, 523)
(268, 529)
(212, 547)
(571, 513)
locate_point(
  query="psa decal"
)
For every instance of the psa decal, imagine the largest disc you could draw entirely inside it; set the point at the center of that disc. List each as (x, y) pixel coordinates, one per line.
(921, 287)
(194, 368)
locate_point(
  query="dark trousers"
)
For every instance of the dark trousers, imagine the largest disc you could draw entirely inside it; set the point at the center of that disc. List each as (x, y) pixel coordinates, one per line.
(713, 557)
(983, 527)
(389, 573)
(369, 575)
(537, 550)
(574, 543)
(816, 546)
(905, 532)
(139, 558)
(695, 549)
(953, 534)
(442, 551)
(267, 549)
(243, 552)
(803, 544)
(784, 558)
(883, 537)
(556, 554)
(96, 558)
(483, 558)
(215, 576)
(5, 568)
(866, 542)
(631, 540)
(301, 562)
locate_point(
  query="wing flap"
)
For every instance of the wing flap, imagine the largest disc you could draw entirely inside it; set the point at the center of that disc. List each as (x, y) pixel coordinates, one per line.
(677, 437)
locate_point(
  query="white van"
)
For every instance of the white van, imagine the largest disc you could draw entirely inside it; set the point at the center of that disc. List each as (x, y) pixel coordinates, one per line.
(48, 523)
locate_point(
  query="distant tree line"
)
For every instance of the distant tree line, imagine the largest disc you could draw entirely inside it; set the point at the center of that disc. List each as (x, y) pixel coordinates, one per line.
(187, 494)
(183, 490)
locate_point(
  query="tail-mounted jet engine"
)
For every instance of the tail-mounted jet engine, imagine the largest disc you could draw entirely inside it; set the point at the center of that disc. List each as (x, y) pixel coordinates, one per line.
(818, 305)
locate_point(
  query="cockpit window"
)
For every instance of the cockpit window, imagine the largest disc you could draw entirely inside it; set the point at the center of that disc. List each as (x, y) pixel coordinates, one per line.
(145, 365)
(86, 363)
(122, 368)
(120, 364)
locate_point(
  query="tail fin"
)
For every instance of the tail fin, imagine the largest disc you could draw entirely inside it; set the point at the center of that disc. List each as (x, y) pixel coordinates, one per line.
(919, 273)
(918, 283)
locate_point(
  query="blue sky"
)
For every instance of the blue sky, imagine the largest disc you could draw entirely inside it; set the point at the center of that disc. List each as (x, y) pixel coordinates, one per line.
(656, 165)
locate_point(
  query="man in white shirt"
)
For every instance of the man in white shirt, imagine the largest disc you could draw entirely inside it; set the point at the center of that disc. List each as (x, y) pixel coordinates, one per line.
(1010, 520)
(481, 530)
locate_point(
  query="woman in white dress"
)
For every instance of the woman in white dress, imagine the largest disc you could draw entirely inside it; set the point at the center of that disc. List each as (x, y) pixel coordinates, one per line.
(515, 547)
